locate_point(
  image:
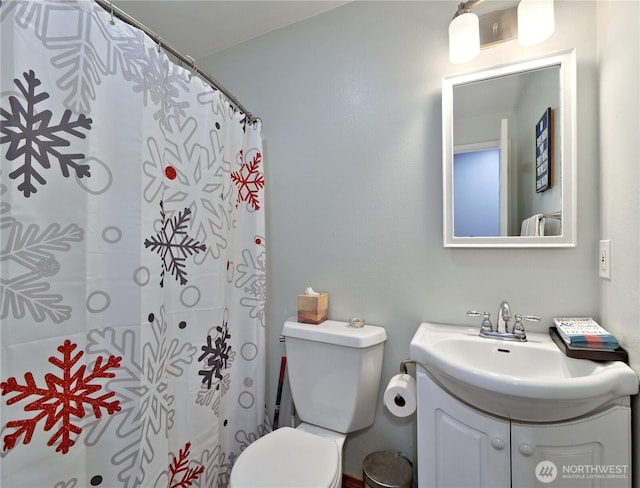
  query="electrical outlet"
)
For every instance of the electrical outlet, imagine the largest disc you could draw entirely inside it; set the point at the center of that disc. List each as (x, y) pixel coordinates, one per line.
(604, 259)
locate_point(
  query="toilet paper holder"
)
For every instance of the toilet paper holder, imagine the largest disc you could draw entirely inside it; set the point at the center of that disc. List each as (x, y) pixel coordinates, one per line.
(403, 369)
(403, 365)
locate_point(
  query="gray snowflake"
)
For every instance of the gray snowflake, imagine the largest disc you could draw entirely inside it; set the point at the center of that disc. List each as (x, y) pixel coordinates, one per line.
(34, 251)
(33, 139)
(147, 405)
(161, 81)
(216, 355)
(202, 184)
(252, 279)
(174, 245)
(84, 55)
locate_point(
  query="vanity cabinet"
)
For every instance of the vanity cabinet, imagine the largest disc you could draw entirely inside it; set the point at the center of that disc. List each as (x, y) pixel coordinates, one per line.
(459, 446)
(594, 451)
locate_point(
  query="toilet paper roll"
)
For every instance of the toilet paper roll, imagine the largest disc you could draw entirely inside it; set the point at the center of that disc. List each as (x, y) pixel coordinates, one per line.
(400, 395)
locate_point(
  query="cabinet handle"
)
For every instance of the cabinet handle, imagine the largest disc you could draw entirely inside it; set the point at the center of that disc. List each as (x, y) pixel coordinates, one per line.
(525, 449)
(497, 443)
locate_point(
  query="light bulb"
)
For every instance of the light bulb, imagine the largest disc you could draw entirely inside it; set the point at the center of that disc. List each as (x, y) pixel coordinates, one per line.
(464, 38)
(535, 21)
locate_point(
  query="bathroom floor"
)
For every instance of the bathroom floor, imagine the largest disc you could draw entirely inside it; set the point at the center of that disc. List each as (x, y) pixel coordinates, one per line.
(351, 482)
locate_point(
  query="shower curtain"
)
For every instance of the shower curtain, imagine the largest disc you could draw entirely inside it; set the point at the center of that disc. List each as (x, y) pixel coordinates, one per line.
(132, 283)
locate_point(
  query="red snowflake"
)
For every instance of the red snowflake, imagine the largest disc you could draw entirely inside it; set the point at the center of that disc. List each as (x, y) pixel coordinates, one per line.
(249, 181)
(181, 474)
(62, 398)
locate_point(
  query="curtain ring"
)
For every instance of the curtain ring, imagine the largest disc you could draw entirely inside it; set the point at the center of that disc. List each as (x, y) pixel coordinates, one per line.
(159, 41)
(191, 60)
(111, 21)
(194, 67)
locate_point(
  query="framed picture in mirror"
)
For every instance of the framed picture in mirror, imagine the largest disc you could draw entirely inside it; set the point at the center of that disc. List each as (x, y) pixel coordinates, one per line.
(544, 151)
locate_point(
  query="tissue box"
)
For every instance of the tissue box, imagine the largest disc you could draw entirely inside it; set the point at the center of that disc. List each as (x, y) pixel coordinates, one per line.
(313, 309)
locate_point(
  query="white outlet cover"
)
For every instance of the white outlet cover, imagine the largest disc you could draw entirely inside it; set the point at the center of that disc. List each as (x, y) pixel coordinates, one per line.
(604, 259)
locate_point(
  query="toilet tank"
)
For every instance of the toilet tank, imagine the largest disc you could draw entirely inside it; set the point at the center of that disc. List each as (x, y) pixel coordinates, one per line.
(334, 371)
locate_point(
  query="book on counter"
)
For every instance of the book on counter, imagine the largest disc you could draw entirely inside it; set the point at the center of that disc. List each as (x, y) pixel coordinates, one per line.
(585, 332)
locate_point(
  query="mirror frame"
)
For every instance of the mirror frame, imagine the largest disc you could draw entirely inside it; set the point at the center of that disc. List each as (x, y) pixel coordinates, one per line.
(566, 60)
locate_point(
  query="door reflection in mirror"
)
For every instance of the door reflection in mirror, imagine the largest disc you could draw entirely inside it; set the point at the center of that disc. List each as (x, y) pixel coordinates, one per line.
(476, 190)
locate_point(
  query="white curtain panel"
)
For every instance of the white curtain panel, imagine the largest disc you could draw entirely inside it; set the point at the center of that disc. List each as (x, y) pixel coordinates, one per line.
(132, 260)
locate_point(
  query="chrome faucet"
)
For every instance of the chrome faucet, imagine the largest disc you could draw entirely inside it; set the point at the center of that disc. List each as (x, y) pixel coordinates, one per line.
(504, 315)
(502, 327)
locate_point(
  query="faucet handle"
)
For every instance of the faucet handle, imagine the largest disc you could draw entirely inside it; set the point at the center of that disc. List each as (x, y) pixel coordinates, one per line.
(486, 321)
(531, 318)
(518, 328)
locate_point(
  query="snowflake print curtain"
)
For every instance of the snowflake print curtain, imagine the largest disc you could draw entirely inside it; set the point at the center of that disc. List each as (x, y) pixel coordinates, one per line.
(132, 279)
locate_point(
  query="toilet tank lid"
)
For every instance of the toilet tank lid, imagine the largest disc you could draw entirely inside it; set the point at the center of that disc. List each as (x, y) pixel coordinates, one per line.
(336, 332)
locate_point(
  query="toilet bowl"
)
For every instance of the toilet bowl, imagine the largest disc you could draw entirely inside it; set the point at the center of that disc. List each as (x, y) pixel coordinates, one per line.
(334, 372)
(304, 457)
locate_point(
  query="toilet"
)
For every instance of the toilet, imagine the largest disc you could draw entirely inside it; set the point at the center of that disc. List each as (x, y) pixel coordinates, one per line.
(334, 372)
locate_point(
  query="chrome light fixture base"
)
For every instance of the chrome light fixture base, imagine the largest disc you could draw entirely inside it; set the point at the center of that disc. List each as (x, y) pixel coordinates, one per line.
(531, 22)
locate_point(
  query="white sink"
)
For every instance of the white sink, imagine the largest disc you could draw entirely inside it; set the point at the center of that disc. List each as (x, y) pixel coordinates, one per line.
(530, 381)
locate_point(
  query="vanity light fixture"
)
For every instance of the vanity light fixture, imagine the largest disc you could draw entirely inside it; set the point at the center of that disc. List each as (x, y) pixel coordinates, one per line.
(532, 22)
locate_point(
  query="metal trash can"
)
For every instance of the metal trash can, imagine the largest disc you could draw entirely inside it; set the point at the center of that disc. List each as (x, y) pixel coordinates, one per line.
(384, 469)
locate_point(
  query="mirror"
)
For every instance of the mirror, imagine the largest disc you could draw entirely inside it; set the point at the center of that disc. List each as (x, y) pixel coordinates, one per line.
(509, 158)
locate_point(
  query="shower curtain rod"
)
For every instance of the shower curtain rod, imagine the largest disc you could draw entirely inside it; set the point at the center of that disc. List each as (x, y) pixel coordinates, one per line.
(122, 15)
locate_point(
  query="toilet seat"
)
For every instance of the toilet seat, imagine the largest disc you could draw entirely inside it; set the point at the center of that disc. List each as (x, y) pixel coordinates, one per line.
(288, 458)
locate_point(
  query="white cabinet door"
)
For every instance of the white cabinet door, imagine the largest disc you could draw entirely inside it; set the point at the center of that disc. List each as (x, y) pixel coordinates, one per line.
(459, 447)
(590, 452)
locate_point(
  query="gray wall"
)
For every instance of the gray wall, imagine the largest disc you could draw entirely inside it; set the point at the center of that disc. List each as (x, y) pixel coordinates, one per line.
(619, 72)
(351, 106)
